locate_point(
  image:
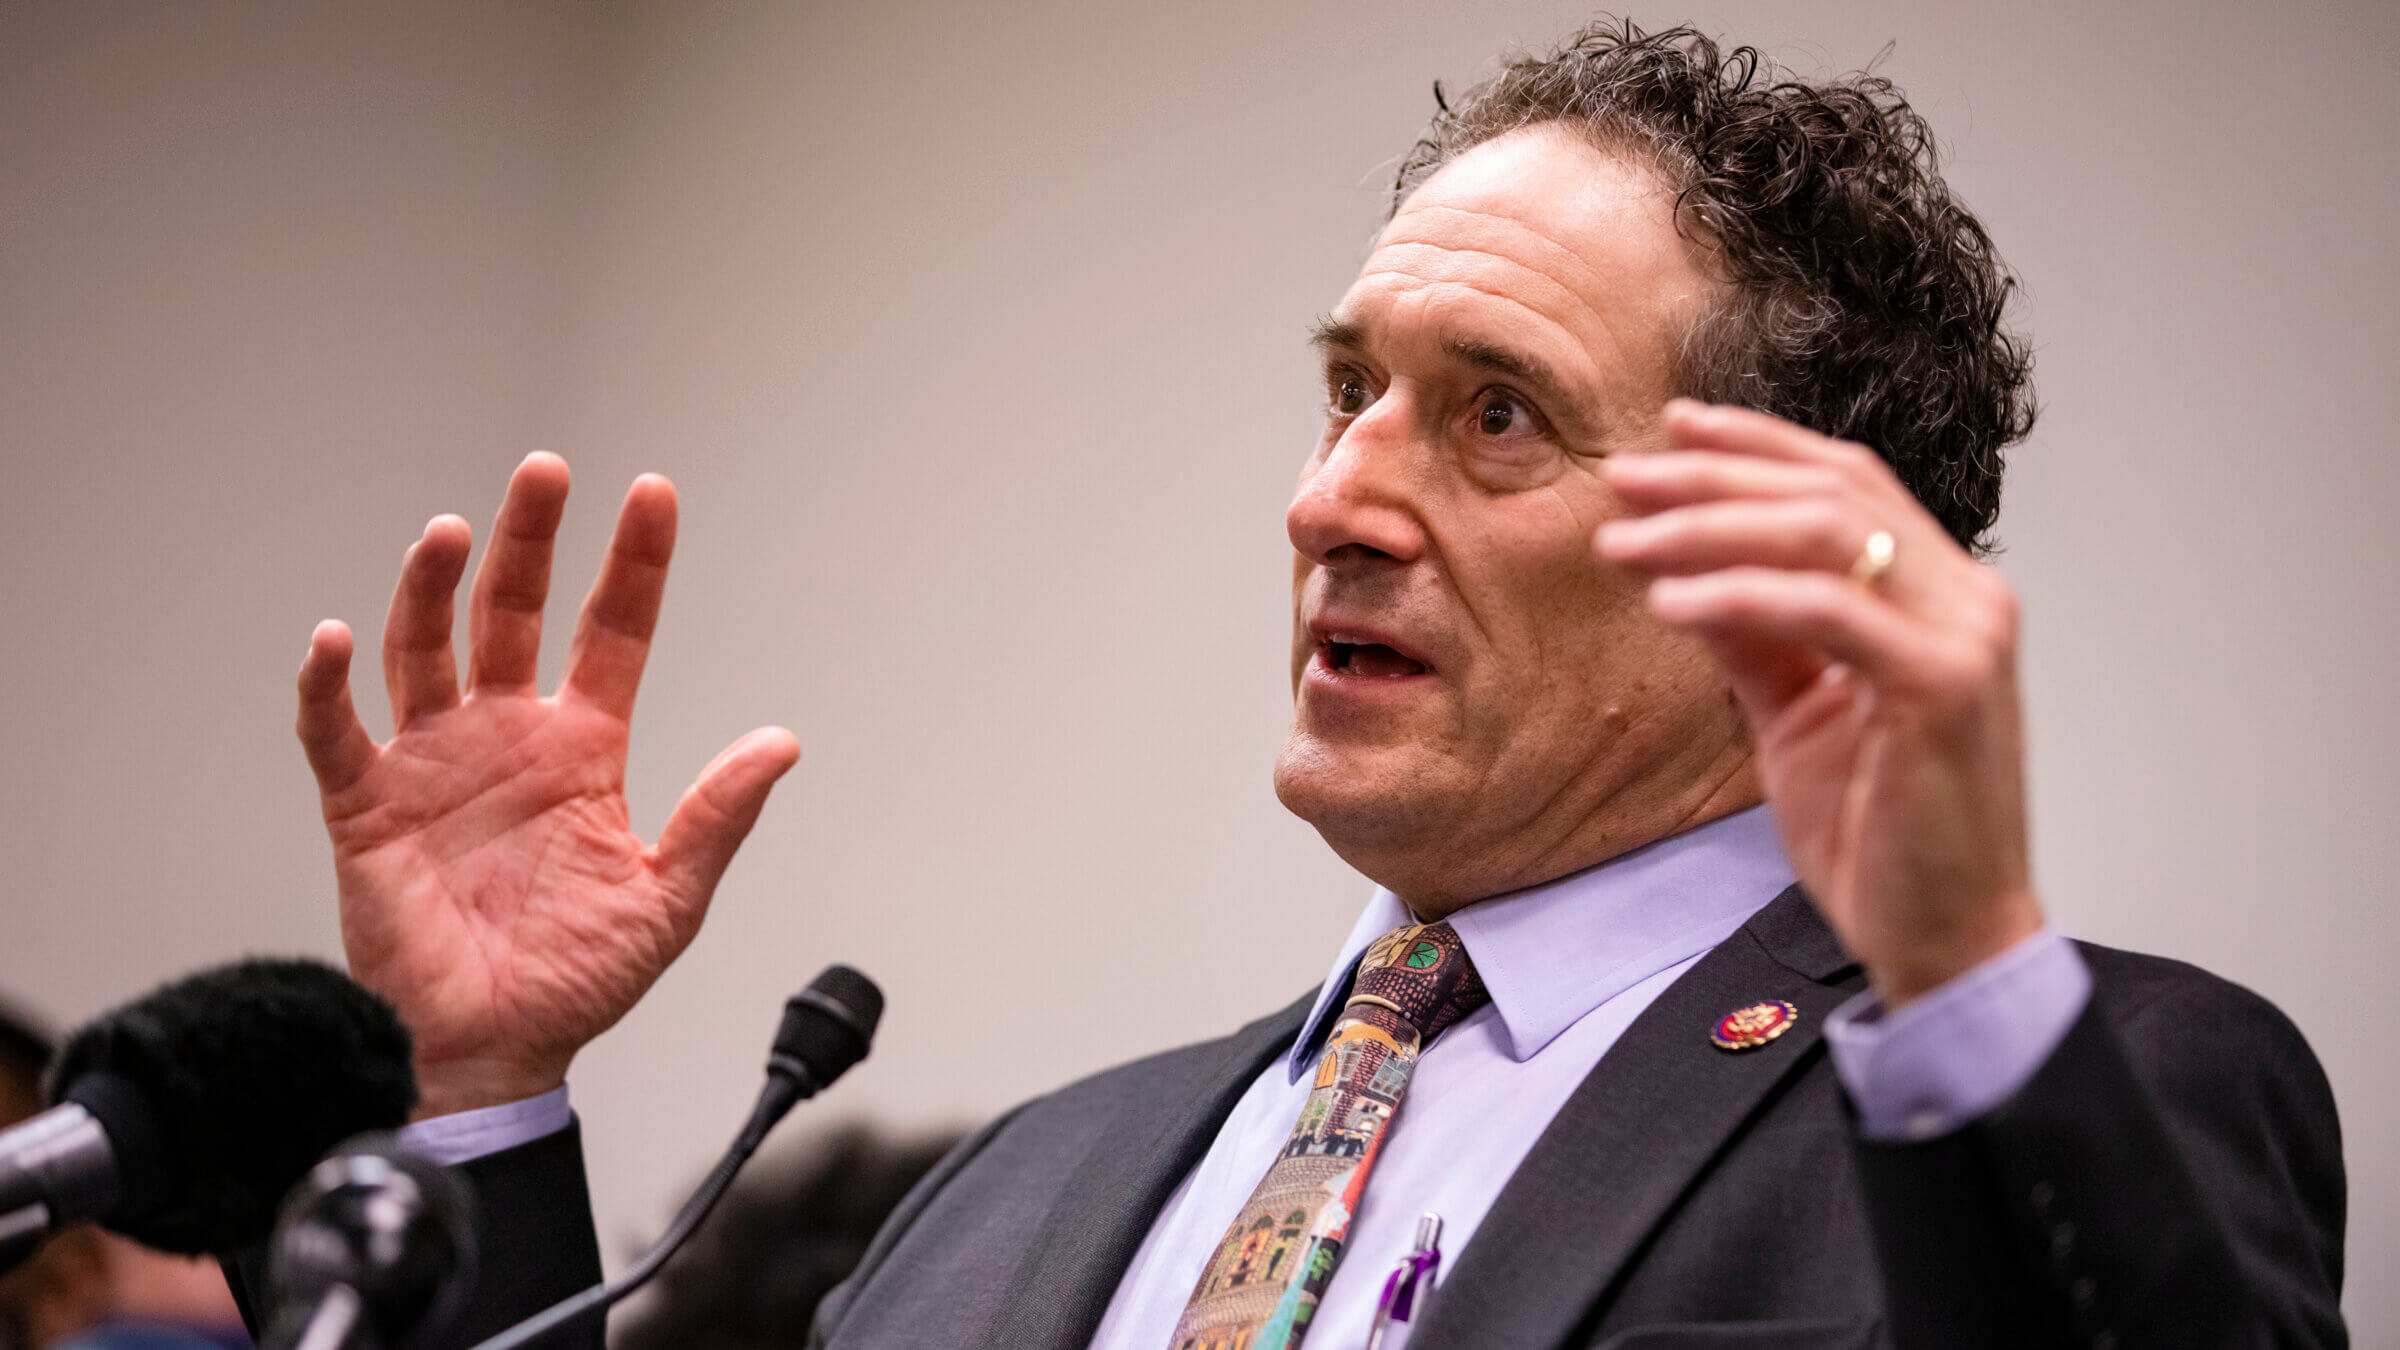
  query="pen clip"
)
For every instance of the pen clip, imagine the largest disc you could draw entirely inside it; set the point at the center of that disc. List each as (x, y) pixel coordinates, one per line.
(1413, 1274)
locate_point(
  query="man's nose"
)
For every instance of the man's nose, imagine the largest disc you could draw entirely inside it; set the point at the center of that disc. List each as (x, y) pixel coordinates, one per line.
(1361, 496)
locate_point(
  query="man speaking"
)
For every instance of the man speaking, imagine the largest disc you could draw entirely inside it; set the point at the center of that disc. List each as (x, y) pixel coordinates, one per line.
(1642, 656)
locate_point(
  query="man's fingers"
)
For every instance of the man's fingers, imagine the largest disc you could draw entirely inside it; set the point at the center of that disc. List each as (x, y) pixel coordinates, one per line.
(1807, 533)
(1814, 609)
(1665, 479)
(612, 639)
(504, 617)
(1746, 489)
(419, 671)
(717, 811)
(338, 747)
(1691, 425)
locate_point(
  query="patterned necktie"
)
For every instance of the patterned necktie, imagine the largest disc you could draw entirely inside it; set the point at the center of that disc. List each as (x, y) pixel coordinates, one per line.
(1262, 1286)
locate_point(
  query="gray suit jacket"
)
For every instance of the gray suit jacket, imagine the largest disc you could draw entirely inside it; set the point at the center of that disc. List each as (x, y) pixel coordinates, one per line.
(2171, 1177)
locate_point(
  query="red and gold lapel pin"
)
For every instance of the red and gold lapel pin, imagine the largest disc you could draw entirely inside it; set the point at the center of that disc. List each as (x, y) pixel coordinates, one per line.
(1751, 1027)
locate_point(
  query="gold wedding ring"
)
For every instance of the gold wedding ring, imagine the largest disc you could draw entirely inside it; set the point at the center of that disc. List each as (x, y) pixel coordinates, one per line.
(1874, 558)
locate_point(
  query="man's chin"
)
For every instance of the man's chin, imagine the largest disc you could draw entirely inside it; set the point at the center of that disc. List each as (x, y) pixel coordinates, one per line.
(1357, 795)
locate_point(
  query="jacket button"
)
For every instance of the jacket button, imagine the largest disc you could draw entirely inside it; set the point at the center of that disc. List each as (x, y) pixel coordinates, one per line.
(2062, 1241)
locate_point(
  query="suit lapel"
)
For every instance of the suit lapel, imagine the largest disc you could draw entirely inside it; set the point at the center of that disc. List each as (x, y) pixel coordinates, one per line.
(1633, 1138)
(1075, 1258)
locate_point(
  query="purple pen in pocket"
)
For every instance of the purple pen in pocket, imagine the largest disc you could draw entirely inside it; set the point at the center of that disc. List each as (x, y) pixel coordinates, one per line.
(1411, 1276)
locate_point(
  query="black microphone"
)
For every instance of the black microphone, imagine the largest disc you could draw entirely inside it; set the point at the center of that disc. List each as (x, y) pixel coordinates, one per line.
(184, 1116)
(826, 1029)
(375, 1250)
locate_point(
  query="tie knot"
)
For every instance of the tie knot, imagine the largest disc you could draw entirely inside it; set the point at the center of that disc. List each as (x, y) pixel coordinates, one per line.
(1422, 973)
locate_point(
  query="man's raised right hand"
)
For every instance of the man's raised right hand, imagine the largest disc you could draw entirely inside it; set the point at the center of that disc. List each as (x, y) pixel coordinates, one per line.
(491, 884)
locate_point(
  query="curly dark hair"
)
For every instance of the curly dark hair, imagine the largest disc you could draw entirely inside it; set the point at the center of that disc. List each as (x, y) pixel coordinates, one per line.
(1863, 299)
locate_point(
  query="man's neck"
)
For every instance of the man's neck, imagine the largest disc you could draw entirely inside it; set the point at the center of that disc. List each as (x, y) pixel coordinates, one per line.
(1600, 837)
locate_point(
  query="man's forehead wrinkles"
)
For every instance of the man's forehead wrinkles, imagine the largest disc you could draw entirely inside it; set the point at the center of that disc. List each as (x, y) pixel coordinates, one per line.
(1424, 296)
(1592, 354)
(1514, 229)
(1459, 274)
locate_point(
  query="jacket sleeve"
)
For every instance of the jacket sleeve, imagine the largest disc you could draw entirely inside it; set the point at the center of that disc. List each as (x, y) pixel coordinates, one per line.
(2171, 1176)
(535, 1243)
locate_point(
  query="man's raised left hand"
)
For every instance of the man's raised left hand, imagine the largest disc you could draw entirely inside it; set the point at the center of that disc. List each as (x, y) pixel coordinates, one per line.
(1884, 710)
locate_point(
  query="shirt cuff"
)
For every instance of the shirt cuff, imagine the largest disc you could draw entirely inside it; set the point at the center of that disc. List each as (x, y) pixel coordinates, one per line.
(1946, 1059)
(464, 1136)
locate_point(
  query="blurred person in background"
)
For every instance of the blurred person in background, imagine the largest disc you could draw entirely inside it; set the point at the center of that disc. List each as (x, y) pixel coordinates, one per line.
(89, 1289)
(24, 1053)
(791, 1229)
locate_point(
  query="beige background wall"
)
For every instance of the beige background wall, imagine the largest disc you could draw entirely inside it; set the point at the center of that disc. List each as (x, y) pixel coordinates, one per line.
(973, 336)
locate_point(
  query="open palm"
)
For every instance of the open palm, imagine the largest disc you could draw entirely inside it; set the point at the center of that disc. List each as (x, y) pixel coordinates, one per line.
(491, 883)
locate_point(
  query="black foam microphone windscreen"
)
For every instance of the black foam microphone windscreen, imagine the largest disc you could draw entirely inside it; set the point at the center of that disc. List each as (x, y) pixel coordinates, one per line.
(220, 1090)
(828, 1026)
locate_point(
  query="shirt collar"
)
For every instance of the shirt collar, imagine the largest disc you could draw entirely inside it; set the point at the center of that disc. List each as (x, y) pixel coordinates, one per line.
(1554, 952)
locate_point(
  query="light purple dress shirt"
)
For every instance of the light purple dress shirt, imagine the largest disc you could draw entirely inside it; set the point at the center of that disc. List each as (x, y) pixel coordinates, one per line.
(464, 1136)
(1570, 965)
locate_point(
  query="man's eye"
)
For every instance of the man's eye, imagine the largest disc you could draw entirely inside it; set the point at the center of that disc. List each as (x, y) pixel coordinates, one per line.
(1351, 395)
(1503, 414)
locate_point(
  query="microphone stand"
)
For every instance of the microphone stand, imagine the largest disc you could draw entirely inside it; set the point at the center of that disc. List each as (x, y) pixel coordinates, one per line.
(827, 1027)
(781, 1094)
(335, 1321)
(375, 1251)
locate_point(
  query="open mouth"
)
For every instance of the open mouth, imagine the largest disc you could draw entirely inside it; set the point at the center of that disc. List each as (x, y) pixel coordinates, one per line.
(1371, 660)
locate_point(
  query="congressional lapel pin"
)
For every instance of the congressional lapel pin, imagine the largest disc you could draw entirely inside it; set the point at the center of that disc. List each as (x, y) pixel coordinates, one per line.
(1751, 1027)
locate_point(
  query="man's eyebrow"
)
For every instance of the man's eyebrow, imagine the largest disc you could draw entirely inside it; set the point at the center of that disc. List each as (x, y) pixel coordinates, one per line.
(1515, 365)
(1339, 335)
(1332, 334)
